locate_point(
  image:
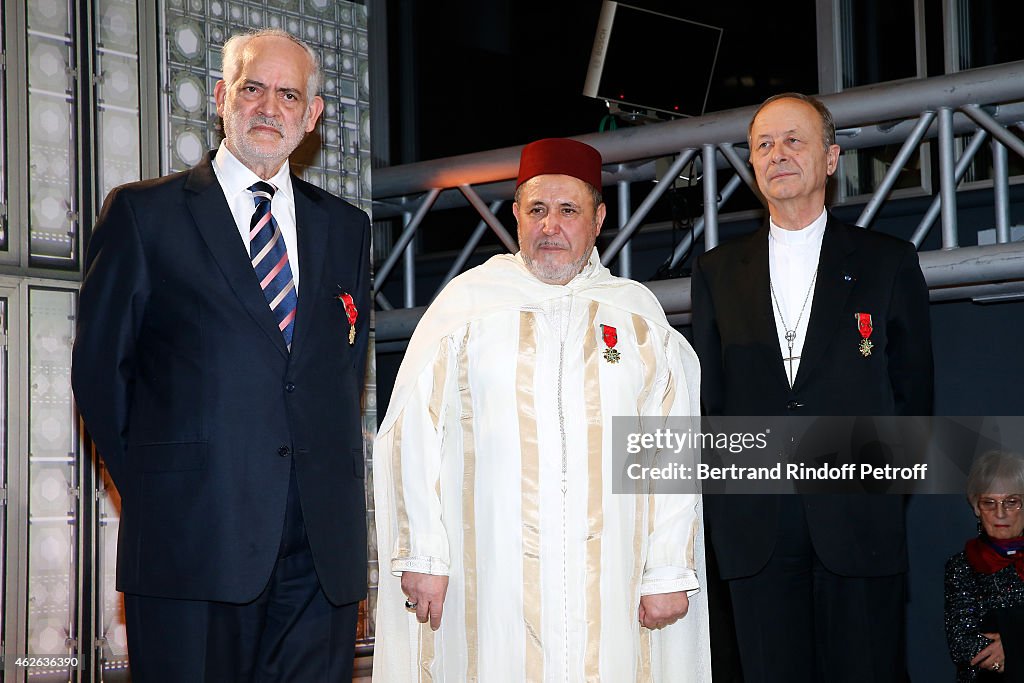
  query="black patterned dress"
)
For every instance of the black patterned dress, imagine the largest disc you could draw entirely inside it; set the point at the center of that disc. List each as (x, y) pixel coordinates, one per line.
(970, 599)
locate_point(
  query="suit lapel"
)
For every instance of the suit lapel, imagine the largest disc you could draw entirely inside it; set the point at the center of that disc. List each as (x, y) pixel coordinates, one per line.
(759, 292)
(213, 217)
(311, 223)
(835, 280)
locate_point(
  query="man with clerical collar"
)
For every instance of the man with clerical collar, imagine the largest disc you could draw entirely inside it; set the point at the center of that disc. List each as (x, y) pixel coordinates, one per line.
(809, 316)
(505, 554)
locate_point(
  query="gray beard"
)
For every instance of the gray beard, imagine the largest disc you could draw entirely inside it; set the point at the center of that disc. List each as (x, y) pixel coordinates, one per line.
(235, 127)
(556, 274)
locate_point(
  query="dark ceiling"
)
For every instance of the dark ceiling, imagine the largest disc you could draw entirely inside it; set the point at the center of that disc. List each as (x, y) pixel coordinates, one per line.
(468, 76)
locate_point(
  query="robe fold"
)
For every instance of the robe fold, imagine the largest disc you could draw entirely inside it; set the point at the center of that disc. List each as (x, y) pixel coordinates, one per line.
(493, 466)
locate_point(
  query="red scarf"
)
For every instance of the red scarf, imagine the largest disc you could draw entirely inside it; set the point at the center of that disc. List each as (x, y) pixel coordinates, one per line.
(988, 555)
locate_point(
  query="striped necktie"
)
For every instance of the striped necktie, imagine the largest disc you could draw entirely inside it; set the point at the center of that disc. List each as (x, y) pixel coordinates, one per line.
(270, 260)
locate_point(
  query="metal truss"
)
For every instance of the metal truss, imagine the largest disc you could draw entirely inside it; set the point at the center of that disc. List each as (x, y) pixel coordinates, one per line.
(983, 103)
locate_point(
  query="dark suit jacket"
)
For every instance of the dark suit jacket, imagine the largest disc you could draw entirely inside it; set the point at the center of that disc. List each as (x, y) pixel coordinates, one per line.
(742, 373)
(197, 407)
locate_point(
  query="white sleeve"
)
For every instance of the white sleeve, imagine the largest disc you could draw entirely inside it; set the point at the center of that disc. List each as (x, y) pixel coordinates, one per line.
(421, 541)
(671, 563)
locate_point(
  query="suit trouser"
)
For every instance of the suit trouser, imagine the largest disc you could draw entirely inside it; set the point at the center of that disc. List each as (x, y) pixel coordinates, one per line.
(289, 633)
(798, 622)
(725, 654)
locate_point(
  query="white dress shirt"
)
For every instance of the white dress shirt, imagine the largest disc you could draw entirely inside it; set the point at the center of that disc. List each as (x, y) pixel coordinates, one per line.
(235, 179)
(792, 261)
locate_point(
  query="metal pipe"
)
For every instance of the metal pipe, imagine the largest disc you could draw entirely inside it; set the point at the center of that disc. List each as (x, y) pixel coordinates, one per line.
(947, 188)
(467, 250)
(409, 276)
(626, 260)
(674, 295)
(698, 226)
(626, 254)
(972, 265)
(881, 193)
(861, 137)
(405, 238)
(397, 324)
(994, 263)
(985, 120)
(879, 102)
(984, 293)
(710, 198)
(741, 167)
(962, 165)
(668, 180)
(1001, 190)
(489, 218)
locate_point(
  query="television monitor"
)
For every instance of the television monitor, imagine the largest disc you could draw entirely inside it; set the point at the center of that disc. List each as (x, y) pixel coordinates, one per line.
(652, 60)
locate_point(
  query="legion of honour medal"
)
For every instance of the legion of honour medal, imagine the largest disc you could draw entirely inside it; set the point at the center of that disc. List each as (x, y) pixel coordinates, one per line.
(351, 313)
(865, 328)
(611, 338)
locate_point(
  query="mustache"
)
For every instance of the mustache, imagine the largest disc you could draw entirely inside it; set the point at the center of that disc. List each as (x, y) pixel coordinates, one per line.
(261, 120)
(550, 242)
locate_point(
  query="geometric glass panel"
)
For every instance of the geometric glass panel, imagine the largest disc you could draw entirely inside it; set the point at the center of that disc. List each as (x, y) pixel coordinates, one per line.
(365, 628)
(53, 506)
(52, 180)
(3, 463)
(120, 162)
(118, 26)
(49, 16)
(3, 140)
(117, 95)
(114, 649)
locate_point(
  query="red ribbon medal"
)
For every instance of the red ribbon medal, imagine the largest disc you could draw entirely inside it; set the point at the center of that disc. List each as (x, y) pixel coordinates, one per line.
(865, 328)
(611, 338)
(351, 313)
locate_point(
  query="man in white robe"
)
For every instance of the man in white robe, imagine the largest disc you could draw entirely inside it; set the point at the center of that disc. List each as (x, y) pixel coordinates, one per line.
(505, 554)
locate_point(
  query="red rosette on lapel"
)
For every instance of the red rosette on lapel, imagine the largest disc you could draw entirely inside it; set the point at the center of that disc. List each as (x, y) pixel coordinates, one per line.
(351, 313)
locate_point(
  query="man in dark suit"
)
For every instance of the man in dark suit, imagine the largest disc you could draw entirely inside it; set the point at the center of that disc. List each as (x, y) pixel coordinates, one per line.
(223, 393)
(811, 317)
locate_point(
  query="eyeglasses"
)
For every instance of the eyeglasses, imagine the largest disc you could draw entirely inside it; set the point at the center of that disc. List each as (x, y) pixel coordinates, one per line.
(1009, 504)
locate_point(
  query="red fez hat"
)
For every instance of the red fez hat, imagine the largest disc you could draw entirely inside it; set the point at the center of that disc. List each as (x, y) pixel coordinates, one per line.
(560, 156)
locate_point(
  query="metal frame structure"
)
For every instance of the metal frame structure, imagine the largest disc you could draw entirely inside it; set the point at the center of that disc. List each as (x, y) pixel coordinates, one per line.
(983, 103)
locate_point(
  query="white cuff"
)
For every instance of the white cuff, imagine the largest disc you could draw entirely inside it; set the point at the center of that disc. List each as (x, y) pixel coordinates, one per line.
(669, 580)
(421, 565)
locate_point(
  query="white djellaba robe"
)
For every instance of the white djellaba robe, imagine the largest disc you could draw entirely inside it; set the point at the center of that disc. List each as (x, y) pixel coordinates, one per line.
(493, 465)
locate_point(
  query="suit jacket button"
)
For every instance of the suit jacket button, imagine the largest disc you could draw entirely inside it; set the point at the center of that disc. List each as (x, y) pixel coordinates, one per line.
(793, 405)
(284, 451)
(290, 387)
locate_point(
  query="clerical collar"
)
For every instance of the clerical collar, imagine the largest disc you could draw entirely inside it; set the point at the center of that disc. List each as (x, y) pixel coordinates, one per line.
(809, 235)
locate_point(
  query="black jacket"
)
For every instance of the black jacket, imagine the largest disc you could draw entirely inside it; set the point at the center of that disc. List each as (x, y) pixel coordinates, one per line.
(197, 407)
(742, 373)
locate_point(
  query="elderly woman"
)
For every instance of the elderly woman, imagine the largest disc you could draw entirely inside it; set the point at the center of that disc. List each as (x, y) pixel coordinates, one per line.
(985, 582)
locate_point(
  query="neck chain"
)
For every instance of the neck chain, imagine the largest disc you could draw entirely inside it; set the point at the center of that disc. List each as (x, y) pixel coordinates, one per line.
(791, 333)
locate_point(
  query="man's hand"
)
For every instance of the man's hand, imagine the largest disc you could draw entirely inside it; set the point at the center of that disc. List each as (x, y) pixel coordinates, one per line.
(992, 657)
(662, 609)
(427, 592)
